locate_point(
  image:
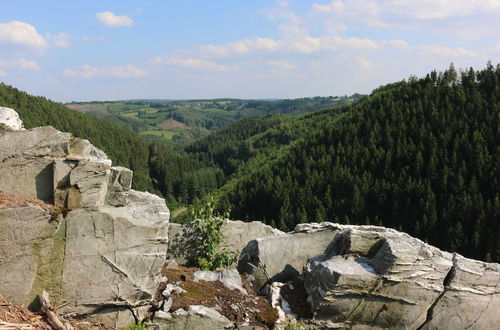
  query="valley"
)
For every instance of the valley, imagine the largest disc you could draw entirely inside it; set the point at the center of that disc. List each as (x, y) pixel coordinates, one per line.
(180, 122)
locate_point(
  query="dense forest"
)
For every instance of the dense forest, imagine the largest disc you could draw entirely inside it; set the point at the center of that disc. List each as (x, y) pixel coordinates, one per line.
(157, 168)
(420, 155)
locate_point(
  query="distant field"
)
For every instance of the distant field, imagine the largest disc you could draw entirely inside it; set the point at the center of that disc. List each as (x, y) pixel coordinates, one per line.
(164, 134)
(171, 123)
(89, 107)
(130, 114)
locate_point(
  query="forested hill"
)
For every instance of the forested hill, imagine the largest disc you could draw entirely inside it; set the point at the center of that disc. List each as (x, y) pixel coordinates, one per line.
(157, 168)
(419, 155)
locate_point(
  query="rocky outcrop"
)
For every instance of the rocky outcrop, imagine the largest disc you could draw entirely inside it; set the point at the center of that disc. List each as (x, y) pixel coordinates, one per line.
(101, 257)
(280, 258)
(378, 277)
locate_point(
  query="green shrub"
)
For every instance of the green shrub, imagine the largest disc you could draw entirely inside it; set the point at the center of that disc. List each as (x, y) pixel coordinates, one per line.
(209, 236)
(136, 326)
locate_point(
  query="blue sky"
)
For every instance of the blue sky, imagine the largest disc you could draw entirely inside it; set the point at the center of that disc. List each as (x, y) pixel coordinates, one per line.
(178, 49)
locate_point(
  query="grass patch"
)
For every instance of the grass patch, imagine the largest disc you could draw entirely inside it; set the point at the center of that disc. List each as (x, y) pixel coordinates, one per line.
(164, 134)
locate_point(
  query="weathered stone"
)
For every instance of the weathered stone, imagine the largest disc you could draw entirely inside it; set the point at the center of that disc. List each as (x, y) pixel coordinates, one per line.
(61, 184)
(143, 207)
(376, 276)
(183, 244)
(197, 317)
(113, 256)
(37, 142)
(120, 181)
(30, 253)
(81, 149)
(30, 178)
(471, 299)
(89, 183)
(9, 120)
(115, 317)
(229, 277)
(281, 258)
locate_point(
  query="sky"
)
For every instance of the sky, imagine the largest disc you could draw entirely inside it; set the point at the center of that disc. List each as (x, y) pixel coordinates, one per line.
(185, 49)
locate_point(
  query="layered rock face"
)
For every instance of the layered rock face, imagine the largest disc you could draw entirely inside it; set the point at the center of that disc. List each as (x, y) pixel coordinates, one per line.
(365, 277)
(104, 255)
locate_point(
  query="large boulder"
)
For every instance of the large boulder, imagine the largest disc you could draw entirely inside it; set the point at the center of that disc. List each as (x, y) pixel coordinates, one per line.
(280, 258)
(378, 277)
(9, 120)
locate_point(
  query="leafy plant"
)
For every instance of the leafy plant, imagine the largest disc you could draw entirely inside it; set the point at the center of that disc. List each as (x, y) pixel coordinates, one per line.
(136, 326)
(208, 232)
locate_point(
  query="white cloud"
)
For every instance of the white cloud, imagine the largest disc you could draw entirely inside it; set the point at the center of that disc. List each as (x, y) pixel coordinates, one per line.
(193, 63)
(365, 63)
(88, 71)
(60, 40)
(20, 33)
(448, 51)
(20, 63)
(282, 65)
(107, 18)
(304, 44)
(3, 73)
(239, 47)
(441, 9)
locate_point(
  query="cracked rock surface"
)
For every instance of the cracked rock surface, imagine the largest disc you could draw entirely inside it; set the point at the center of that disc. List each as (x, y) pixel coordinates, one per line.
(377, 277)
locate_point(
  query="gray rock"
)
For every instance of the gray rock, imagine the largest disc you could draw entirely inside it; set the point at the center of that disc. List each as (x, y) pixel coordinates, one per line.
(103, 260)
(81, 149)
(89, 185)
(142, 207)
(30, 253)
(197, 317)
(111, 258)
(471, 299)
(172, 289)
(229, 277)
(115, 317)
(183, 245)
(9, 120)
(376, 276)
(37, 142)
(281, 258)
(120, 181)
(30, 178)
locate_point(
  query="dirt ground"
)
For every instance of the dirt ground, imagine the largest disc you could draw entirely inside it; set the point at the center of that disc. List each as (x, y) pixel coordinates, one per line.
(237, 307)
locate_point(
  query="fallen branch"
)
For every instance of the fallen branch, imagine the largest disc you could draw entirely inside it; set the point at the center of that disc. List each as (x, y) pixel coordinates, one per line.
(52, 316)
(7, 325)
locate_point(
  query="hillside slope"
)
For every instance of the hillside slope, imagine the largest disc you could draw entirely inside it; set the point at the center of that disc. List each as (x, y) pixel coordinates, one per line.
(421, 156)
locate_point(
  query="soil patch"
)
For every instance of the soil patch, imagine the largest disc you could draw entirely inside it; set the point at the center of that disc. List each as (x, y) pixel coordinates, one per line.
(237, 307)
(10, 200)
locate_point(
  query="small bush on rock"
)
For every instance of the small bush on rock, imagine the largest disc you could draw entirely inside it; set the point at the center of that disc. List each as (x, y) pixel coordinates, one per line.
(208, 231)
